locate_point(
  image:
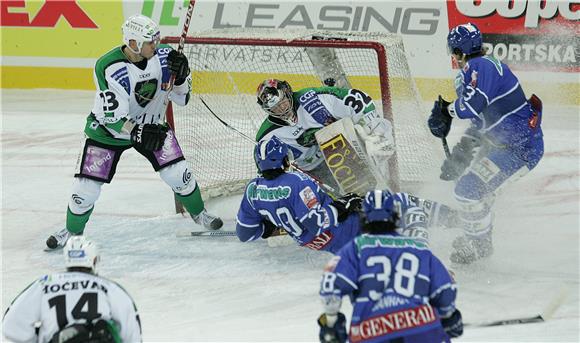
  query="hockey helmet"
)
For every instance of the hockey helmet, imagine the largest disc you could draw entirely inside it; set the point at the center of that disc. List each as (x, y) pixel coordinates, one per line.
(271, 154)
(141, 29)
(80, 252)
(465, 38)
(275, 97)
(380, 206)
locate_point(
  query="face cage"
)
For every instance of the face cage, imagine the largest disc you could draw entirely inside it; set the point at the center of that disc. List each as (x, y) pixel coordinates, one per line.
(289, 116)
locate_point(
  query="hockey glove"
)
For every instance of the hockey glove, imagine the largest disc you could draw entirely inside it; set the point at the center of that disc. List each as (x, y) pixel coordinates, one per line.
(149, 136)
(332, 328)
(460, 158)
(440, 120)
(376, 145)
(453, 325)
(269, 228)
(346, 205)
(178, 65)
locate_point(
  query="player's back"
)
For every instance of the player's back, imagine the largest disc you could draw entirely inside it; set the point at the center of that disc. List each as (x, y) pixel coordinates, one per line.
(397, 277)
(59, 300)
(74, 297)
(505, 109)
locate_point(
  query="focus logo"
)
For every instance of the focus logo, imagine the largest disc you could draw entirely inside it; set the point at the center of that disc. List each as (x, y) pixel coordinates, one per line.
(532, 34)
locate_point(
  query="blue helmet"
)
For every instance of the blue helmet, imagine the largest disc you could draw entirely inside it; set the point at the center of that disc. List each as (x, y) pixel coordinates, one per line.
(465, 38)
(380, 206)
(270, 154)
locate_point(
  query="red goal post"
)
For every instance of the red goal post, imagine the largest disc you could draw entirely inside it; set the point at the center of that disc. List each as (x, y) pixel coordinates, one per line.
(228, 65)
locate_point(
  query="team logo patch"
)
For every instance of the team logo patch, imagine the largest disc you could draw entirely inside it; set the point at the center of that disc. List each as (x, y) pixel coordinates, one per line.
(486, 169)
(308, 197)
(473, 82)
(76, 253)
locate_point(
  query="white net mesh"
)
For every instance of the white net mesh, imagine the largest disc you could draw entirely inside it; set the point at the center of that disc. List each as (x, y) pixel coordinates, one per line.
(226, 77)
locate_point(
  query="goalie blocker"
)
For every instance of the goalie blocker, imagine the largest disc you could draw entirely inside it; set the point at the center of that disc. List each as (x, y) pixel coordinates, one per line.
(345, 153)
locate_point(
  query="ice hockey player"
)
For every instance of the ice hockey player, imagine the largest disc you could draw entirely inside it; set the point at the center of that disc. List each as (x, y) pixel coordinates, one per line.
(293, 201)
(73, 306)
(399, 290)
(294, 117)
(503, 142)
(128, 112)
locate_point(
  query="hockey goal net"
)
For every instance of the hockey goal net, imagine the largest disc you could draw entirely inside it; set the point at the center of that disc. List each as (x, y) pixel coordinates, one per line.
(228, 65)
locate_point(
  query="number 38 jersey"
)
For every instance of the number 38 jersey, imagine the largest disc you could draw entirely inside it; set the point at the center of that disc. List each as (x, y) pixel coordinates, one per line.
(396, 285)
(315, 109)
(56, 301)
(129, 91)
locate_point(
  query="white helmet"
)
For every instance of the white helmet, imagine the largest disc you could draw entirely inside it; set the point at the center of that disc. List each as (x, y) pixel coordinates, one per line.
(80, 252)
(140, 29)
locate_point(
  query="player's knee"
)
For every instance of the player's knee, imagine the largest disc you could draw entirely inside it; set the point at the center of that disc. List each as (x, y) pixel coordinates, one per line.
(471, 187)
(85, 193)
(179, 178)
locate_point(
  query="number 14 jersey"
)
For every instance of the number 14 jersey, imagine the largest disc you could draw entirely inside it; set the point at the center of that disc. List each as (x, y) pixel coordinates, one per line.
(56, 301)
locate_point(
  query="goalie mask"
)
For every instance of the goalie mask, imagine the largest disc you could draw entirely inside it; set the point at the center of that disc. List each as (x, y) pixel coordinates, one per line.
(141, 29)
(465, 39)
(272, 154)
(275, 97)
(380, 206)
(80, 252)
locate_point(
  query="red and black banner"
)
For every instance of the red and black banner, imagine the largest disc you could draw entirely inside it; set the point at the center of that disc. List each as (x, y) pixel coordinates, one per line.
(526, 34)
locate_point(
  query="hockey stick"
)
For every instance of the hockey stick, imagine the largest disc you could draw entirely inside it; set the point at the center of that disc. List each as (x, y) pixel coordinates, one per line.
(227, 233)
(331, 191)
(514, 321)
(546, 314)
(178, 206)
(181, 44)
(444, 139)
(212, 233)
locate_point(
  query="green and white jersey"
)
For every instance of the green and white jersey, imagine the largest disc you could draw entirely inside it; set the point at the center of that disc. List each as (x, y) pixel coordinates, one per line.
(56, 301)
(130, 93)
(317, 108)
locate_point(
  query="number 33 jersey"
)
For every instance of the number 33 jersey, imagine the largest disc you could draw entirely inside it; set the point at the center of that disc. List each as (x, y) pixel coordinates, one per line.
(62, 299)
(131, 91)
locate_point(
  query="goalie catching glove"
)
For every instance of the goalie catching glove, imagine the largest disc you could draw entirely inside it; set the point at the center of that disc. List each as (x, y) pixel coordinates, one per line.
(149, 136)
(376, 145)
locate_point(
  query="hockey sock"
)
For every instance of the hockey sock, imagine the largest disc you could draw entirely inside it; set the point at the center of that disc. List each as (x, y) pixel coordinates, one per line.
(75, 223)
(192, 202)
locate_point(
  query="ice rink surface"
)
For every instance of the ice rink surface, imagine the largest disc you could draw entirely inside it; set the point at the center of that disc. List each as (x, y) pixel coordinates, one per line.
(212, 289)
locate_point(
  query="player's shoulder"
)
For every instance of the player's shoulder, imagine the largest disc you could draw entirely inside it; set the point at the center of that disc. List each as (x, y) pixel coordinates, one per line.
(266, 129)
(163, 50)
(324, 90)
(112, 57)
(485, 64)
(299, 178)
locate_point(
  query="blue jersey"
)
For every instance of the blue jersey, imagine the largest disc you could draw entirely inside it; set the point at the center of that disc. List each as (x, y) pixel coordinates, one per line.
(490, 95)
(397, 286)
(296, 203)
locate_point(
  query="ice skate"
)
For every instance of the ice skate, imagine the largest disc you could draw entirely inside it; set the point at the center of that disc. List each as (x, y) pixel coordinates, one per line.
(58, 239)
(207, 220)
(469, 250)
